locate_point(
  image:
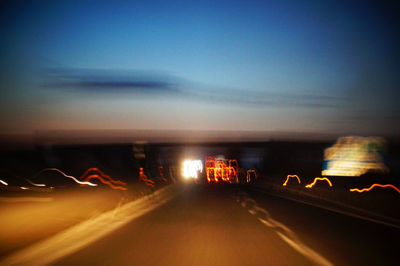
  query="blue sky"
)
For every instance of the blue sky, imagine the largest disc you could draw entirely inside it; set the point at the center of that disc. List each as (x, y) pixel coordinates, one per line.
(309, 66)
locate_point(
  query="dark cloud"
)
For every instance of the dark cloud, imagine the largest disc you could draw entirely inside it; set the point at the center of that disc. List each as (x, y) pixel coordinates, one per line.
(113, 86)
(104, 81)
(153, 84)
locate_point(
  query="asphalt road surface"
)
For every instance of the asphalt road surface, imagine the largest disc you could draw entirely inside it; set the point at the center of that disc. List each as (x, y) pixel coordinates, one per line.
(222, 225)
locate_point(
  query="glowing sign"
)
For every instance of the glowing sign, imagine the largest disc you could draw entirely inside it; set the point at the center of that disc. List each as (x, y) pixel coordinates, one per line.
(287, 179)
(191, 168)
(374, 185)
(319, 178)
(354, 156)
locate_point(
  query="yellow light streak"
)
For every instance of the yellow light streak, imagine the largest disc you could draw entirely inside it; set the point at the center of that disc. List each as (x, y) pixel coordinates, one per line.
(319, 178)
(374, 185)
(289, 176)
(3, 182)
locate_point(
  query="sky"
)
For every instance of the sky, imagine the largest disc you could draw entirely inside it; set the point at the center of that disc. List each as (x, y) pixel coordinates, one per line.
(290, 66)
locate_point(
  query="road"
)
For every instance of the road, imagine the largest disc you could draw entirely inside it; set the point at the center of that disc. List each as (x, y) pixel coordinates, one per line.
(208, 225)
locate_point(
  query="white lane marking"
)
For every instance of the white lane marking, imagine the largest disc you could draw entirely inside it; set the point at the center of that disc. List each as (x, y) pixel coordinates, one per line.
(250, 201)
(258, 209)
(71, 240)
(287, 235)
(306, 251)
(265, 222)
(358, 216)
(25, 199)
(281, 225)
(252, 212)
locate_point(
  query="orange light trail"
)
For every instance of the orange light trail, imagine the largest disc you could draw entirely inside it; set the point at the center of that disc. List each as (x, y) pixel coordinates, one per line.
(102, 180)
(143, 177)
(95, 169)
(287, 179)
(249, 172)
(221, 169)
(210, 168)
(374, 185)
(319, 178)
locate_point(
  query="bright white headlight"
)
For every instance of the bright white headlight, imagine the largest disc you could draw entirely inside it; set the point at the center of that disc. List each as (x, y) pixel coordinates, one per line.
(191, 168)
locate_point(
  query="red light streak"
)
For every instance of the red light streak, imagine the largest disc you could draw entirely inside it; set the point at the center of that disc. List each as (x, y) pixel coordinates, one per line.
(161, 172)
(287, 179)
(143, 177)
(374, 185)
(95, 169)
(319, 178)
(102, 180)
